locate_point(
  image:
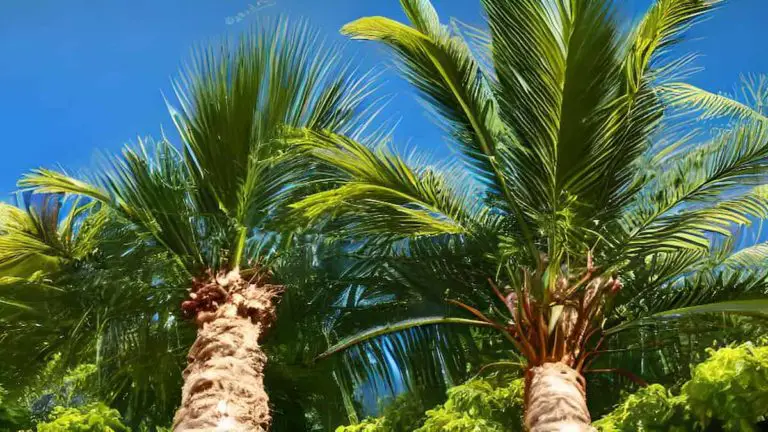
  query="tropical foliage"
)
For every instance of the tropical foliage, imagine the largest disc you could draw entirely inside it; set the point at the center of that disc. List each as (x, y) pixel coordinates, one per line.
(119, 324)
(481, 404)
(727, 390)
(116, 309)
(590, 227)
(405, 412)
(63, 400)
(651, 408)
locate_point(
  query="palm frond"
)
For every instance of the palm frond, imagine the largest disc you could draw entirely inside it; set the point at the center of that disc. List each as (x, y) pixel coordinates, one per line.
(442, 68)
(711, 105)
(701, 284)
(44, 180)
(383, 194)
(693, 228)
(634, 117)
(752, 257)
(663, 26)
(691, 193)
(657, 271)
(150, 190)
(236, 103)
(396, 327)
(756, 307)
(39, 236)
(541, 51)
(423, 16)
(23, 298)
(478, 39)
(323, 301)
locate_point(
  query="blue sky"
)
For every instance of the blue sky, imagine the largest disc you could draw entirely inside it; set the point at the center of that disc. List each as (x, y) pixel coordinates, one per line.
(81, 76)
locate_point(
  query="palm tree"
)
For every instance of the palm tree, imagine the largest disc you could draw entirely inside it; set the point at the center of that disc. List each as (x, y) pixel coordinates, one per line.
(212, 204)
(77, 282)
(601, 210)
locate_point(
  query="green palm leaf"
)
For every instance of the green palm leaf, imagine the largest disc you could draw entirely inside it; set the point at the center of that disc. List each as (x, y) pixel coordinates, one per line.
(757, 307)
(396, 327)
(711, 105)
(442, 67)
(662, 27)
(738, 306)
(150, 190)
(541, 51)
(683, 199)
(751, 257)
(385, 194)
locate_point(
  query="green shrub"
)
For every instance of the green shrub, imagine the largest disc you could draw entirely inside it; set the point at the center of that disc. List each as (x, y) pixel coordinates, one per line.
(371, 424)
(652, 408)
(62, 399)
(404, 414)
(731, 387)
(59, 385)
(13, 416)
(95, 417)
(479, 405)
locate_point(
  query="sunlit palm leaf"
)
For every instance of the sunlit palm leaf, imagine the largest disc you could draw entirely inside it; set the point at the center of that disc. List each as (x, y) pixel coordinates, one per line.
(541, 51)
(692, 229)
(238, 105)
(709, 104)
(662, 26)
(148, 189)
(237, 102)
(384, 194)
(636, 114)
(684, 197)
(442, 67)
(754, 257)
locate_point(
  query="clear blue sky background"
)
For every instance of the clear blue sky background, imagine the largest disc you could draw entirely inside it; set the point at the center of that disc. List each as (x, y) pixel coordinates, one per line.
(81, 76)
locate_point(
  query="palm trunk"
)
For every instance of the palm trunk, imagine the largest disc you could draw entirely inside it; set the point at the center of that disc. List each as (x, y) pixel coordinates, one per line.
(556, 399)
(224, 380)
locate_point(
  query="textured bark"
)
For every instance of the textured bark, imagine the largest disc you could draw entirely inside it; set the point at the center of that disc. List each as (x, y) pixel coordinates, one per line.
(224, 380)
(556, 400)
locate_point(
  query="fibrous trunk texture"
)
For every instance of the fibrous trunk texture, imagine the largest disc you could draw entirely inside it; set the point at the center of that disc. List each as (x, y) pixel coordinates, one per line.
(224, 380)
(555, 399)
